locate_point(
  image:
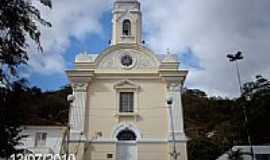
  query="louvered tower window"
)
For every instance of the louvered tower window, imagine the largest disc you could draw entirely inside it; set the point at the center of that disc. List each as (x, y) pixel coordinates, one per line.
(126, 27)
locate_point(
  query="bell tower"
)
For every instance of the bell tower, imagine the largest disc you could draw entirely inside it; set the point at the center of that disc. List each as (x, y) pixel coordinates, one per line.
(127, 22)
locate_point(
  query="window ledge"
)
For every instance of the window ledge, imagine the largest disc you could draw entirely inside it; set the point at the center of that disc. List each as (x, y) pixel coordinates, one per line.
(128, 36)
(127, 114)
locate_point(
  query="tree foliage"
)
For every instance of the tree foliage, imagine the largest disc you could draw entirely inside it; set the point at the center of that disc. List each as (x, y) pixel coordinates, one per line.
(18, 21)
(204, 149)
(12, 116)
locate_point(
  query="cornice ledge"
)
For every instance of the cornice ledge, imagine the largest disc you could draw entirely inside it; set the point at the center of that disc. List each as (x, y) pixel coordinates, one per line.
(83, 76)
(170, 75)
(112, 73)
(80, 73)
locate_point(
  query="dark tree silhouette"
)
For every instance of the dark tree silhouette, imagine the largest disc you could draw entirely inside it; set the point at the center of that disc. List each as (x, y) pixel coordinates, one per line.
(18, 23)
(11, 118)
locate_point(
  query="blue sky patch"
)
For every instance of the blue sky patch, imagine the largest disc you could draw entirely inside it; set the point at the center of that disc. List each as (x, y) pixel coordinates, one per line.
(189, 60)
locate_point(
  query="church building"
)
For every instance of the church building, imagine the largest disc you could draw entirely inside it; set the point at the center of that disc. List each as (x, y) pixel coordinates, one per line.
(127, 99)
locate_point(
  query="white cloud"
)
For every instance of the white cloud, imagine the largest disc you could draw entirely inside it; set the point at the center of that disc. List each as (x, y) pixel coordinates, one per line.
(69, 18)
(212, 29)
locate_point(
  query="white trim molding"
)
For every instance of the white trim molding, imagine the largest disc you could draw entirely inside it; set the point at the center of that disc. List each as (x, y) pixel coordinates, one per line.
(126, 86)
(143, 140)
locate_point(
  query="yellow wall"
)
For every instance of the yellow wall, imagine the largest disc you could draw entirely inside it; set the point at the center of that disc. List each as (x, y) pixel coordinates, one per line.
(98, 151)
(152, 119)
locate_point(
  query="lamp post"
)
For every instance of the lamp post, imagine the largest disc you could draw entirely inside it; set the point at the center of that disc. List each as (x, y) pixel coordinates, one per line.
(173, 154)
(235, 58)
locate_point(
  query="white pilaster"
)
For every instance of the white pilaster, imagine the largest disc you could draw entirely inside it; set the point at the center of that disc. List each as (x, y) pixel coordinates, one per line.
(78, 108)
(174, 91)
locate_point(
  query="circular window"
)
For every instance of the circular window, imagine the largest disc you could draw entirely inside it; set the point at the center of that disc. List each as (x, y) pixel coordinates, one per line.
(126, 60)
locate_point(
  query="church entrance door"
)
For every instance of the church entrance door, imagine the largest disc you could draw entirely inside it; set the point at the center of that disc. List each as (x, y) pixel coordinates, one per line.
(126, 151)
(126, 146)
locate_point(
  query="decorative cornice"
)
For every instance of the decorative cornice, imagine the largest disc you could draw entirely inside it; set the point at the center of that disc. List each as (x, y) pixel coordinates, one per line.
(173, 76)
(80, 76)
(79, 87)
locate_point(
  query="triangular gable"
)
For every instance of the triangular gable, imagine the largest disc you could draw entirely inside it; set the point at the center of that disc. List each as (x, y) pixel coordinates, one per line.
(126, 84)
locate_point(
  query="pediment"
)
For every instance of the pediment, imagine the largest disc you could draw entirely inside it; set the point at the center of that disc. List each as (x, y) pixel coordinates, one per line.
(126, 84)
(141, 59)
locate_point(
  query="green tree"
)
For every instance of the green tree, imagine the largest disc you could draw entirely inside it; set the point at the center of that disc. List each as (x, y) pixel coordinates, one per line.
(216, 124)
(18, 22)
(204, 149)
(11, 118)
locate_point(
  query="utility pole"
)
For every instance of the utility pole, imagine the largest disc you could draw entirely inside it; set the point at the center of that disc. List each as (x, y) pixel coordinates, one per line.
(174, 153)
(235, 58)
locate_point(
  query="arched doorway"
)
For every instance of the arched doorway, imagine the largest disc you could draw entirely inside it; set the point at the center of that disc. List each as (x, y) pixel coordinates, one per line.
(126, 145)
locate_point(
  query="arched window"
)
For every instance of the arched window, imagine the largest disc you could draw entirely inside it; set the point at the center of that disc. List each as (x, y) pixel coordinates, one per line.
(126, 135)
(126, 27)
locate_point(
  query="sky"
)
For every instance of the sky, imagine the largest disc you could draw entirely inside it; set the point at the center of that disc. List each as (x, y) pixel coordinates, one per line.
(200, 32)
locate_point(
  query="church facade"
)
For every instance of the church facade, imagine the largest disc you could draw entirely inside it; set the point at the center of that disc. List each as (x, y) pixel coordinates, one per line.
(127, 99)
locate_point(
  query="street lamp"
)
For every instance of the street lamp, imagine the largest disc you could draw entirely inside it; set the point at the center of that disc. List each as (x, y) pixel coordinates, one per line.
(174, 154)
(235, 58)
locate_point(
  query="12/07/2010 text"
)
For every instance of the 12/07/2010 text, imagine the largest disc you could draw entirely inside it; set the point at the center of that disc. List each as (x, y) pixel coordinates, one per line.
(42, 157)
